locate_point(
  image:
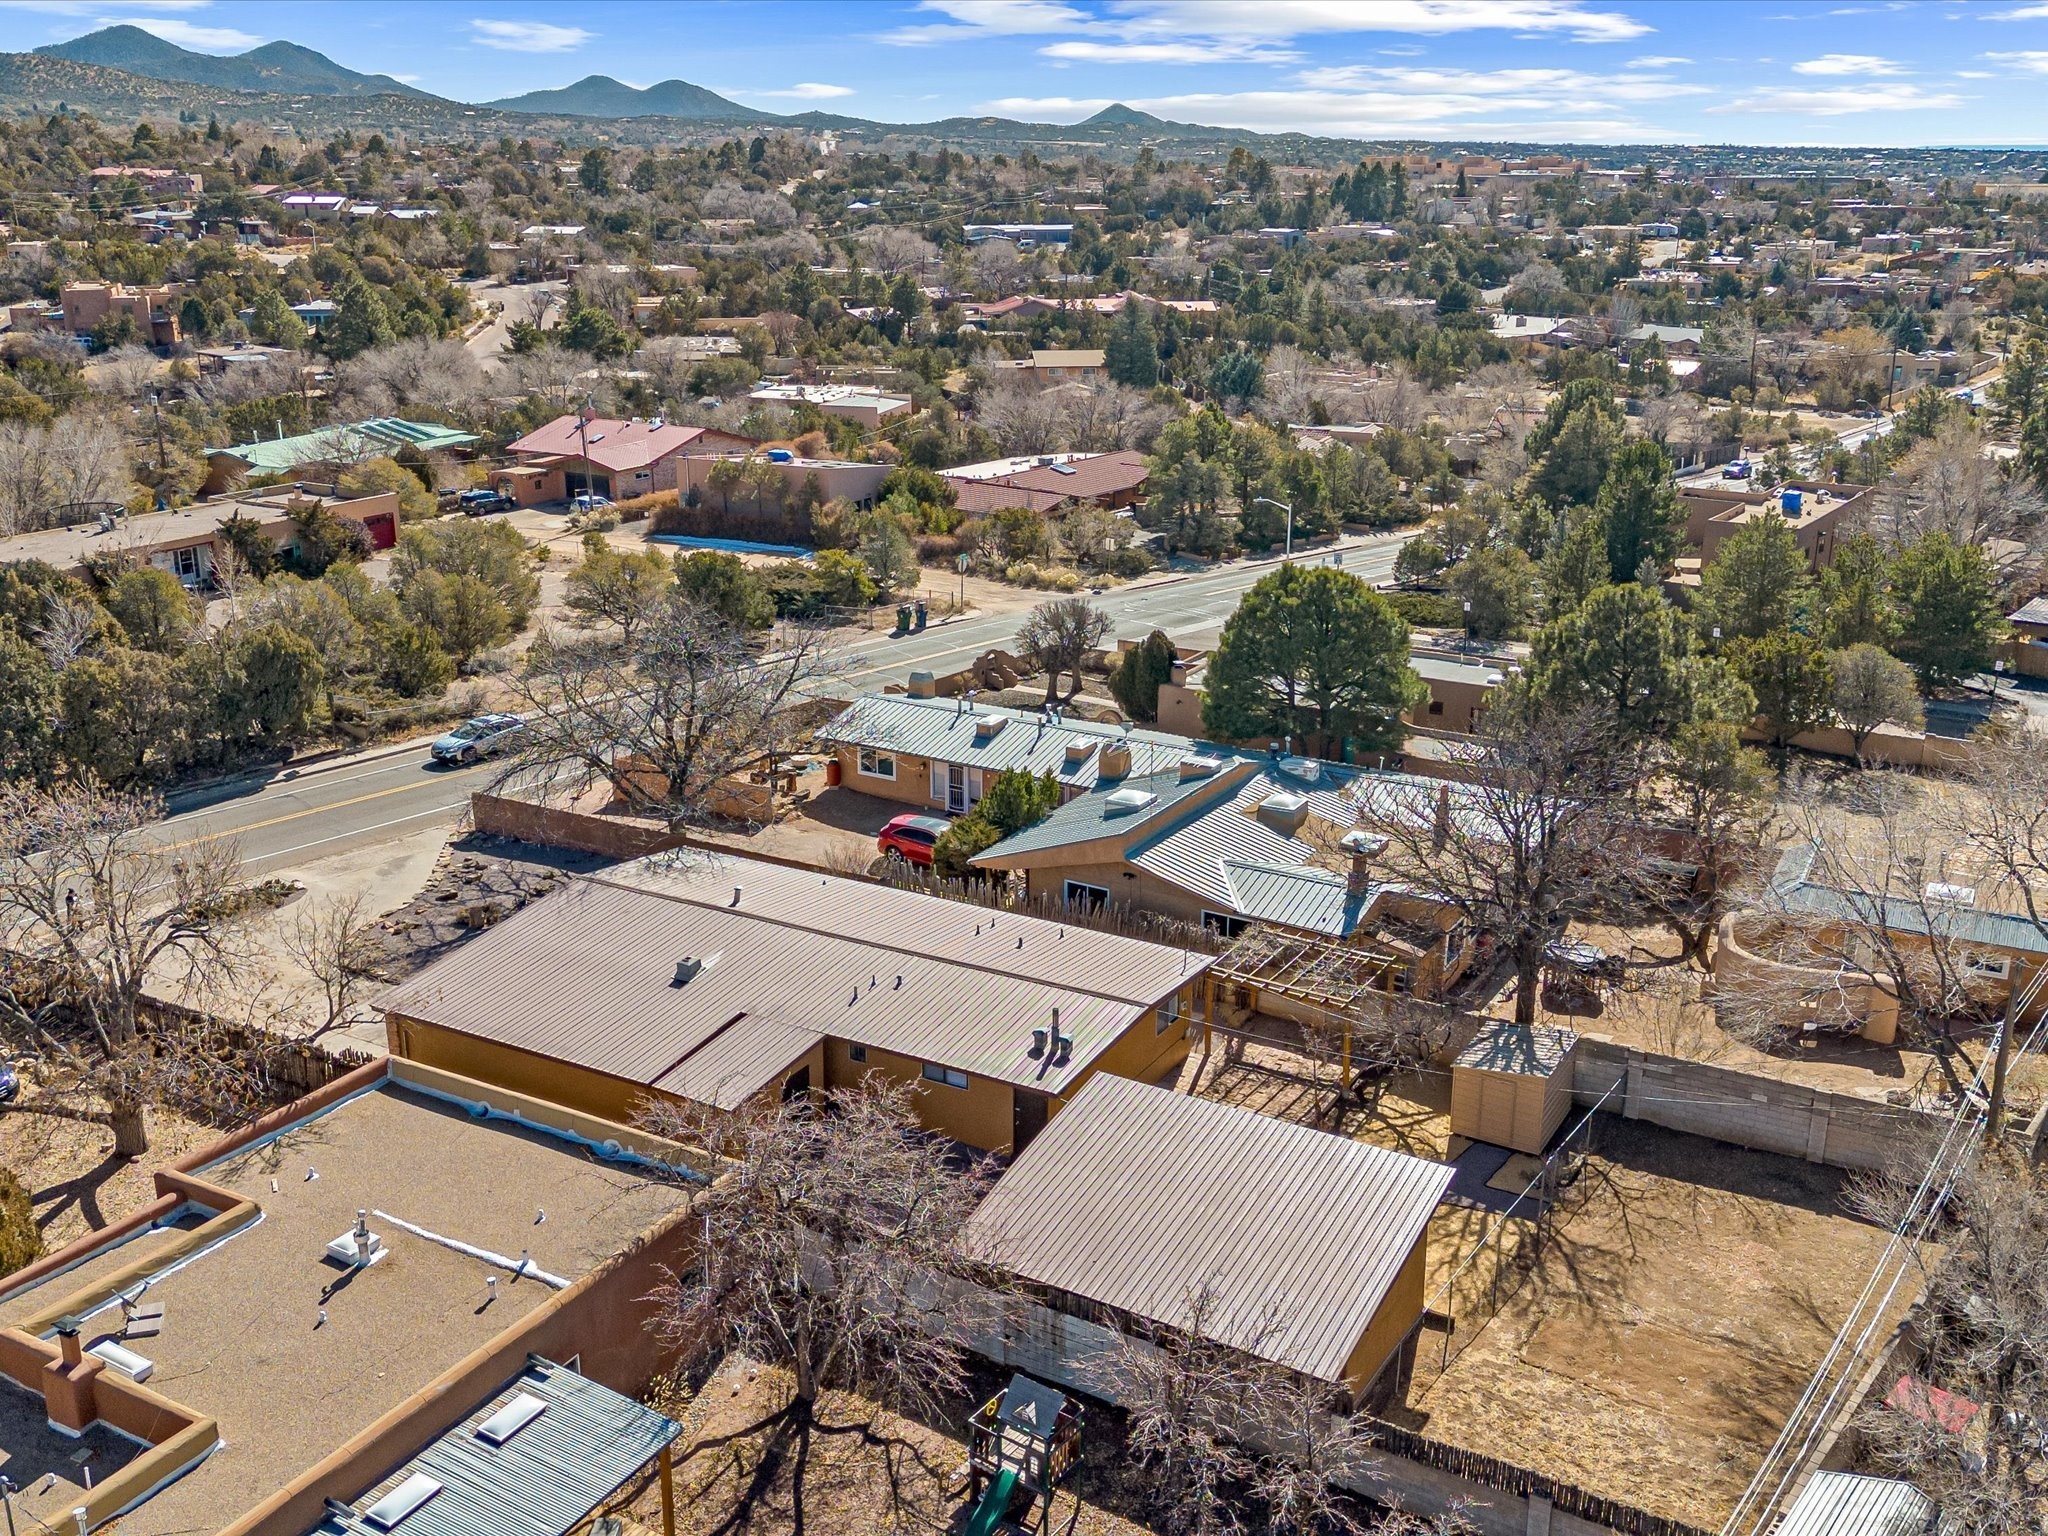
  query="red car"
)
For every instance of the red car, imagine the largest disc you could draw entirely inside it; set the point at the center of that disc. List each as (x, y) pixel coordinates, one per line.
(910, 838)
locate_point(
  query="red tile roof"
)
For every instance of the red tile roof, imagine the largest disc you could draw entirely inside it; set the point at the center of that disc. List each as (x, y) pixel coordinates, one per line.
(619, 445)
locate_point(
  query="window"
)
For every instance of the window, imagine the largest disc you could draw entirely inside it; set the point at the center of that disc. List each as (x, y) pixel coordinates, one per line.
(1998, 966)
(1086, 897)
(185, 564)
(1225, 923)
(1164, 1015)
(856, 1053)
(877, 765)
(934, 1073)
(1436, 706)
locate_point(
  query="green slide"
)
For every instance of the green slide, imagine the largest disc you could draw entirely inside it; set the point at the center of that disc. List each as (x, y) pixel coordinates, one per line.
(994, 1505)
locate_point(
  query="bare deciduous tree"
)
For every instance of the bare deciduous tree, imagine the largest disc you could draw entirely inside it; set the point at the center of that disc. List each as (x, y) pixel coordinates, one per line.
(326, 940)
(92, 903)
(686, 704)
(1212, 1423)
(1982, 1331)
(1058, 636)
(1949, 485)
(825, 1240)
(1543, 834)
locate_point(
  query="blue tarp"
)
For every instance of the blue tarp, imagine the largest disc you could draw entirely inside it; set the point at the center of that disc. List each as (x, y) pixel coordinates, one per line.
(732, 546)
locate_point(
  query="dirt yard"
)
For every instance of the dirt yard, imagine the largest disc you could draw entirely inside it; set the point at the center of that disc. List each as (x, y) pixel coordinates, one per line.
(865, 1471)
(1669, 1325)
(73, 1179)
(1660, 1009)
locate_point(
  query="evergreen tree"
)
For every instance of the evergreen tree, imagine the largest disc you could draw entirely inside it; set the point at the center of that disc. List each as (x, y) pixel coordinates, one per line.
(1755, 585)
(1315, 654)
(1132, 356)
(1949, 615)
(1640, 507)
(1791, 677)
(359, 322)
(1855, 595)
(1623, 651)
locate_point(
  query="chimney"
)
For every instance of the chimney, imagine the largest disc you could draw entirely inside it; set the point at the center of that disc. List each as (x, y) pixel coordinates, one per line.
(1364, 847)
(1115, 762)
(68, 1394)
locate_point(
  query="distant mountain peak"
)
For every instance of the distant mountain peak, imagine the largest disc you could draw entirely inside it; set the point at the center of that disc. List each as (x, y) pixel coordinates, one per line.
(602, 96)
(283, 67)
(1117, 115)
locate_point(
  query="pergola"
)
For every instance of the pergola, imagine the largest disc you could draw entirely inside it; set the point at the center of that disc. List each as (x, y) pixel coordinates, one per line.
(1326, 974)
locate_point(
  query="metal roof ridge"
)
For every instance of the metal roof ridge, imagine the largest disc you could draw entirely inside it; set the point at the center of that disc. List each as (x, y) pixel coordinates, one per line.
(690, 900)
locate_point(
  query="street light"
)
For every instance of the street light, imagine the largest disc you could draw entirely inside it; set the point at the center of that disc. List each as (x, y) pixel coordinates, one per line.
(1468, 620)
(1288, 557)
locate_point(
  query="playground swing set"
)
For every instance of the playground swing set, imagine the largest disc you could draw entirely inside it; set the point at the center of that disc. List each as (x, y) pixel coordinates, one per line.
(1023, 1442)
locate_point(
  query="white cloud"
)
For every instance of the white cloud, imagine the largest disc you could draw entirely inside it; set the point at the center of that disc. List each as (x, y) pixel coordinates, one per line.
(1404, 51)
(1848, 64)
(1658, 61)
(2035, 12)
(1210, 51)
(187, 35)
(2031, 61)
(807, 90)
(1221, 23)
(1844, 101)
(529, 36)
(1002, 18)
(1366, 102)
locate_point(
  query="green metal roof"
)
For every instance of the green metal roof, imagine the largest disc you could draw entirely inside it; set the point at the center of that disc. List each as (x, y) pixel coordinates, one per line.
(380, 435)
(511, 1469)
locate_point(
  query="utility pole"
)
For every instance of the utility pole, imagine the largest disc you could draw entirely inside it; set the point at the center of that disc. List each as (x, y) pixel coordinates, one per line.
(156, 404)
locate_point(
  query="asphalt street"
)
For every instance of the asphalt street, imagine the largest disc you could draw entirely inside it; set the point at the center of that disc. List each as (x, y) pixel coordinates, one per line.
(288, 820)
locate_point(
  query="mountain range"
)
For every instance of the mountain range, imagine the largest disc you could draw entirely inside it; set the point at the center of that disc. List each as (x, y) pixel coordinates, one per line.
(284, 68)
(602, 96)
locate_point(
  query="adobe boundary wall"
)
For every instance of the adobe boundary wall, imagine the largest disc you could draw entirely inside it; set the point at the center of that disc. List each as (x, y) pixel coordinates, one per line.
(1744, 1109)
(610, 837)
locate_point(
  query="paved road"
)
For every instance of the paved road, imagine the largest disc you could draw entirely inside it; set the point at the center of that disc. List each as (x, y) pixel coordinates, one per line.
(283, 823)
(485, 344)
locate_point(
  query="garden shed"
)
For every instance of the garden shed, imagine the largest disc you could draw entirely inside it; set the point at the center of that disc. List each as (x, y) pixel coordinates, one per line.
(1512, 1086)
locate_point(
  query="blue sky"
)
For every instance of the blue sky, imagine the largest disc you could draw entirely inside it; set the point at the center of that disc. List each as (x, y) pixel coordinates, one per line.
(1879, 72)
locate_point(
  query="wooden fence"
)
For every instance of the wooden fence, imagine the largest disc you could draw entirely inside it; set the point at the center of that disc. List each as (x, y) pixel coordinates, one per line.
(1110, 917)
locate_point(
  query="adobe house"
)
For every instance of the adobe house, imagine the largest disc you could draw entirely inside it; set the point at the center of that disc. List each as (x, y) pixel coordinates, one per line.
(727, 981)
(339, 1297)
(575, 454)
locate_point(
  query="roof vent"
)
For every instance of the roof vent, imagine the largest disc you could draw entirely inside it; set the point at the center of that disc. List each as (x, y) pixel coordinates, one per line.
(1123, 801)
(389, 1512)
(686, 970)
(1284, 812)
(1306, 769)
(988, 725)
(522, 1409)
(1199, 767)
(1078, 752)
(359, 1247)
(1951, 895)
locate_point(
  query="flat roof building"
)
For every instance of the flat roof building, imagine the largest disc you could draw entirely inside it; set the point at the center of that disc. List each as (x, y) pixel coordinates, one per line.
(260, 1365)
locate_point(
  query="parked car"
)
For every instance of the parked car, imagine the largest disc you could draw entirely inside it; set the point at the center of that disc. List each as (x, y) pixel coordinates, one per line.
(10, 1084)
(589, 501)
(1739, 469)
(909, 839)
(477, 503)
(473, 740)
(1867, 413)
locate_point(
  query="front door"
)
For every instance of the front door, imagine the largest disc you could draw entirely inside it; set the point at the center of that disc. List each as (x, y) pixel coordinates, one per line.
(956, 788)
(1027, 1119)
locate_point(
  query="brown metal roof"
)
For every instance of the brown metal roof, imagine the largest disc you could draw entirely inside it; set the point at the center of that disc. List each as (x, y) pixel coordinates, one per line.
(1136, 1197)
(737, 1062)
(587, 976)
